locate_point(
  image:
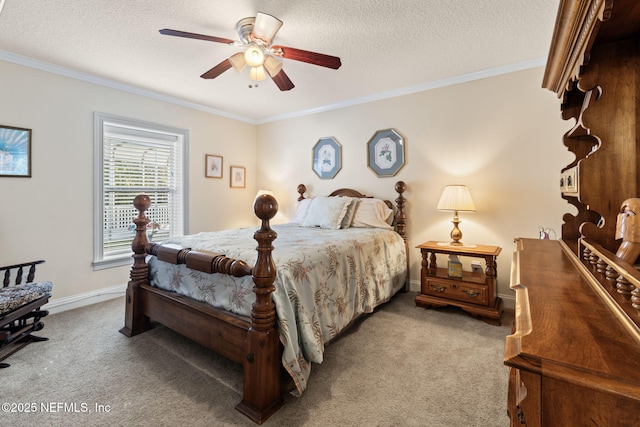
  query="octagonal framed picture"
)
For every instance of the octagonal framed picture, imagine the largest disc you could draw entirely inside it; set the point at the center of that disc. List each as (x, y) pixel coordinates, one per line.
(385, 152)
(327, 158)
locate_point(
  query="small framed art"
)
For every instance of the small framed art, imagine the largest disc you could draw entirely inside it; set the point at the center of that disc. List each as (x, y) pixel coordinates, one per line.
(238, 176)
(213, 166)
(385, 152)
(15, 152)
(327, 158)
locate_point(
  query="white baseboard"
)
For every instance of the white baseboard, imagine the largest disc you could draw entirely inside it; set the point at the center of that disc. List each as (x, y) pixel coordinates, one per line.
(58, 305)
(508, 301)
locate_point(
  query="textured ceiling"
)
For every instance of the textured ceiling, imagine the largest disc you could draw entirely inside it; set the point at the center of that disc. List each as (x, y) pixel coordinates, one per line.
(386, 46)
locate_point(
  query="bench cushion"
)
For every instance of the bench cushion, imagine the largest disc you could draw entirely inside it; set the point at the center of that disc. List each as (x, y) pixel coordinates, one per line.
(13, 297)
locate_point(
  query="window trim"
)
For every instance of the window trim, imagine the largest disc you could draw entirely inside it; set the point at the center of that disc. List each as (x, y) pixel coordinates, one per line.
(99, 121)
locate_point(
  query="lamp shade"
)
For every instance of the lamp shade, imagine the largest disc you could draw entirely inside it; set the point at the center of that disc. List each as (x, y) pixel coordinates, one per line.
(265, 27)
(456, 198)
(257, 73)
(238, 61)
(272, 65)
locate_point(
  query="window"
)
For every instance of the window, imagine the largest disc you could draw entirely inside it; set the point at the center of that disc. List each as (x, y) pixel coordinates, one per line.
(134, 157)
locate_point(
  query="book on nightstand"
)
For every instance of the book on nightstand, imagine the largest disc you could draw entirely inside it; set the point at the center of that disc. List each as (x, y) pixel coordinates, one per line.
(454, 266)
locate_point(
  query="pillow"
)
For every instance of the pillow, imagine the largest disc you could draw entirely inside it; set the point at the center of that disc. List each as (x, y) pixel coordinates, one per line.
(351, 211)
(372, 213)
(326, 212)
(301, 211)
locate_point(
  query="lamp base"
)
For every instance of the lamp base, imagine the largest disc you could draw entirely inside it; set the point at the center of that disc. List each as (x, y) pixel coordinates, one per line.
(456, 234)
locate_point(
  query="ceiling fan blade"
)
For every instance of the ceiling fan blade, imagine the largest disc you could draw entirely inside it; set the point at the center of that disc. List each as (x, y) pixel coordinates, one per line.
(168, 32)
(217, 70)
(265, 27)
(306, 56)
(282, 81)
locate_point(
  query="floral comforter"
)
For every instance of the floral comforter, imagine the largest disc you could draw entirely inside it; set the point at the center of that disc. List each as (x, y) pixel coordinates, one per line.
(325, 279)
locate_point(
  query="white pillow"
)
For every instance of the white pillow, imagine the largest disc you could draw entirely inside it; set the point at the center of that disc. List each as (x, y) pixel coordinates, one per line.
(372, 213)
(351, 211)
(301, 211)
(326, 212)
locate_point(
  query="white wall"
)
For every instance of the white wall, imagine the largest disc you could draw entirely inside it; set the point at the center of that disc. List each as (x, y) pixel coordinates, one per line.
(50, 216)
(502, 136)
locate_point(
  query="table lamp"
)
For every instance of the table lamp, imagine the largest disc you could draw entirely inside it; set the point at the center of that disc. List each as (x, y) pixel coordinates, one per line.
(456, 198)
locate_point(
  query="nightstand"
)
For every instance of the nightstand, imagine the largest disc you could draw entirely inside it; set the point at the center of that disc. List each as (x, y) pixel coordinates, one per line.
(474, 292)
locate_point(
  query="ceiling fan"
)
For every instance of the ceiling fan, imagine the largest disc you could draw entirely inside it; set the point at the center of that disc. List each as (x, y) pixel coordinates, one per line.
(256, 35)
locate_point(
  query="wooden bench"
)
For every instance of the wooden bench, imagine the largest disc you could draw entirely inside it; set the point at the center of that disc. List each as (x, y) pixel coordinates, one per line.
(20, 311)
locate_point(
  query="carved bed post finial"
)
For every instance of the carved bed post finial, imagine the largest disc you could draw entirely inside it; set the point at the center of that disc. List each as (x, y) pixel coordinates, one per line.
(261, 392)
(401, 216)
(134, 321)
(301, 190)
(264, 272)
(139, 268)
(401, 224)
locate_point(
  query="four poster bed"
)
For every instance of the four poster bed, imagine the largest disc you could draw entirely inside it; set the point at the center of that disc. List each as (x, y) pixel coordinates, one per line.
(268, 308)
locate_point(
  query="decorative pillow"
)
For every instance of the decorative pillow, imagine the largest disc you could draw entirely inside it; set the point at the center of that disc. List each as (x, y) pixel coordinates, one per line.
(351, 211)
(327, 212)
(372, 213)
(301, 211)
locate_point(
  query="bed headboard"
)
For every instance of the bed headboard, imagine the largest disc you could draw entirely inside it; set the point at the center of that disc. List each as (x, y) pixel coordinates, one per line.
(400, 216)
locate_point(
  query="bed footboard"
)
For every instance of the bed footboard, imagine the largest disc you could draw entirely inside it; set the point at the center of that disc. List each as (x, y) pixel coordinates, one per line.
(251, 341)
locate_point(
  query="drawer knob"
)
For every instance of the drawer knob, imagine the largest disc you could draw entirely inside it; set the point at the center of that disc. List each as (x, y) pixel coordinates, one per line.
(438, 288)
(471, 294)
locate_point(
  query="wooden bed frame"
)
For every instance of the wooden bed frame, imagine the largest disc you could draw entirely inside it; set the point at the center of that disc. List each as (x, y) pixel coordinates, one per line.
(251, 341)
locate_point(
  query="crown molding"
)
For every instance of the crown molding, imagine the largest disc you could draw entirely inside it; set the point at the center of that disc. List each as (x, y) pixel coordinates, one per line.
(483, 74)
(67, 72)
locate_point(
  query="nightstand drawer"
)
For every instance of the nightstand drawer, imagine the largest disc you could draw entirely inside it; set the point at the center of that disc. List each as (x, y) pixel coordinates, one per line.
(458, 290)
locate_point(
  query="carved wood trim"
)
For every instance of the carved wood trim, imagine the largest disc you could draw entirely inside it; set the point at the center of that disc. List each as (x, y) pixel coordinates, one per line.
(576, 25)
(18, 279)
(618, 305)
(207, 262)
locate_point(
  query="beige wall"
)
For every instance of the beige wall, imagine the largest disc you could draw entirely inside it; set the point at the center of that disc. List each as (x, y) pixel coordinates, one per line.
(50, 216)
(502, 136)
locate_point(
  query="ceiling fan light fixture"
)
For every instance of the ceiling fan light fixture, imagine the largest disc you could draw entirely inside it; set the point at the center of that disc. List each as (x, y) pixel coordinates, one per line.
(238, 61)
(256, 36)
(272, 65)
(265, 27)
(254, 55)
(257, 73)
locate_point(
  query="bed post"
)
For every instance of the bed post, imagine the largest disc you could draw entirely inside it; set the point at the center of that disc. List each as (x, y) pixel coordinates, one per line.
(134, 321)
(262, 395)
(401, 224)
(301, 190)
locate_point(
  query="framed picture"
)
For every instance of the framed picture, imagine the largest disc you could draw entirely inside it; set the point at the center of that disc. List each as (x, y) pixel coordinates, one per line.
(213, 166)
(238, 176)
(327, 158)
(385, 152)
(15, 152)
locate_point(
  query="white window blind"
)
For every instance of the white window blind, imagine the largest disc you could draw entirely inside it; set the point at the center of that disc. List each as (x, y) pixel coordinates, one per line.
(135, 158)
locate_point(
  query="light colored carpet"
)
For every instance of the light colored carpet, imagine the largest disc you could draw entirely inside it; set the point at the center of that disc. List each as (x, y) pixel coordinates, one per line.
(401, 366)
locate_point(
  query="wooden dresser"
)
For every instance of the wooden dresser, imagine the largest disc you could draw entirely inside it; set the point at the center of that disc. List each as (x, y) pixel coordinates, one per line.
(575, 350)
(573, 361)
